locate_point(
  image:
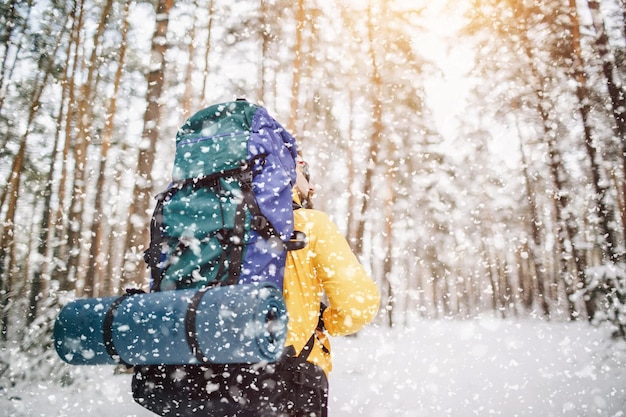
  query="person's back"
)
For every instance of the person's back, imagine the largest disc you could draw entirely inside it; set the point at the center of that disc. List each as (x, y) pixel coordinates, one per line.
(326, 266)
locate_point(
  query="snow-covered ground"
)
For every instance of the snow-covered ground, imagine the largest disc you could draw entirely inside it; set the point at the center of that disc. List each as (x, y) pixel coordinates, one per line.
(482, 367)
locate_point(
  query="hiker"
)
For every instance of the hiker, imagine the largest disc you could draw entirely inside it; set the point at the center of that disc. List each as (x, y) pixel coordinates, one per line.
(296, 385)
(237, 184)
(326, 265)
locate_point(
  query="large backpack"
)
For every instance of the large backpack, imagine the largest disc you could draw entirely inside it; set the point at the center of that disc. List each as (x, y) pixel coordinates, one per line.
(226, 219)
(227, 216)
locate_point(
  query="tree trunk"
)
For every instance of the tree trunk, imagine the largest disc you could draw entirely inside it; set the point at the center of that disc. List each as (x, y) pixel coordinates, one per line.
(137, 235)
(207, 50)
(565, 230)
(187, 101)
(607, 236)
(96, 282)
(436, 296)
(84, 137)
(265, 42)
(389, 303)
(527, 276)
(296, 70)
(534, 224)
(493, 283)
(6, 240)
(10, 25)
(615, 88)
(37, 283)
(67, 281)
(375, 138)
(352, 198)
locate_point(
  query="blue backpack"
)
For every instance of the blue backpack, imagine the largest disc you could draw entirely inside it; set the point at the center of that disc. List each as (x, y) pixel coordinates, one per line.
(227, 216)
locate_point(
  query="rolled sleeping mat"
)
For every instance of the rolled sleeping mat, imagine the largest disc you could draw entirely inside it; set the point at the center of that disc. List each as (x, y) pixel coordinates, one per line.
(228, 324)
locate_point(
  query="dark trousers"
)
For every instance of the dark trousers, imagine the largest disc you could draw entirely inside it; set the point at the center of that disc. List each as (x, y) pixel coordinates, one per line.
(288, 388)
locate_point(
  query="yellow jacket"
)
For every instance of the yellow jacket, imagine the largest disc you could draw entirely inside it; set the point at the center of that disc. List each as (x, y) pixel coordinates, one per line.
(326, 265)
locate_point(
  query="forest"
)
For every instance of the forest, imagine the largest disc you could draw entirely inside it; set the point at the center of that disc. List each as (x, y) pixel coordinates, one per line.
(472, 151)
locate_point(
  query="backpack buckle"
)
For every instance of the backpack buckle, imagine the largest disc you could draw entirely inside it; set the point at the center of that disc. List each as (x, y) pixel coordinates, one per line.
(259, 223)
(298, 241)
(299, 378)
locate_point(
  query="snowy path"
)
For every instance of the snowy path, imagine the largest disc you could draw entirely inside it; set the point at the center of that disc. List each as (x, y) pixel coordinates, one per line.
(481, 368)
(435, 368)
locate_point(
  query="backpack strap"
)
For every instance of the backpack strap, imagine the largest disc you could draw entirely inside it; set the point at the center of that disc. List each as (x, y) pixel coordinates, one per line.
(107, 325)
(152, 255)
(308, 347)
(261, 224)
(236, 243)
(298, 239)
(306, 350)
(190, 324)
